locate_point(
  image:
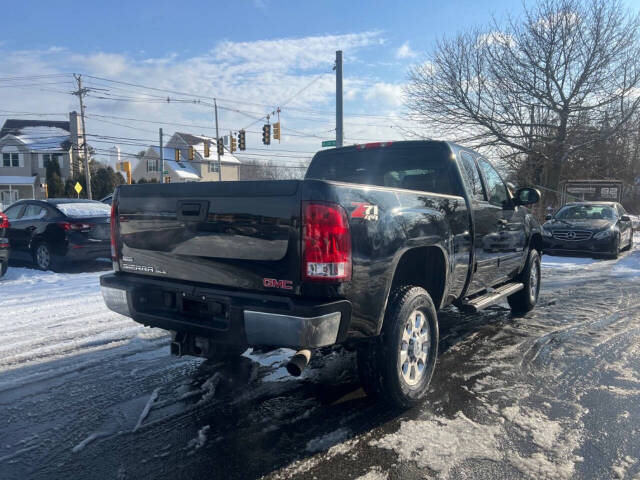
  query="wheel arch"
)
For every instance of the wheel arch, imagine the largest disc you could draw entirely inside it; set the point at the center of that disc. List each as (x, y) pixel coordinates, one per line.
(425, 267)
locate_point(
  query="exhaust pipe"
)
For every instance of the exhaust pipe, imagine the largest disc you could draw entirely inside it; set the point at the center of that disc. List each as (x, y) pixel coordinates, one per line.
(298, 362)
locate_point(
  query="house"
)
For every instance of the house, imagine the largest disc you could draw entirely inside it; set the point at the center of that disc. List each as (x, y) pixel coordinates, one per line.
(26, 146)
(200, 169)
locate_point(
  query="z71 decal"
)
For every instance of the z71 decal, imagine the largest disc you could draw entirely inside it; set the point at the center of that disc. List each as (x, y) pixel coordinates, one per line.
(365, 210)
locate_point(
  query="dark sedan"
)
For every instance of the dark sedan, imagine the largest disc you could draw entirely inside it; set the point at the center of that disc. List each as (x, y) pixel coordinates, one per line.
(588, 227)
(4, 244)
(50, 232)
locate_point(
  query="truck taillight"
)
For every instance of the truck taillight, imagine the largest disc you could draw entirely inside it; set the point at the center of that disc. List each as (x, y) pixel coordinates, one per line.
(326, 243)
(114, 230)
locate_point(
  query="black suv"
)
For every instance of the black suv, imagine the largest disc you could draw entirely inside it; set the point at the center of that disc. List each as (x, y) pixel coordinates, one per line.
(49, 232)
(588, 227)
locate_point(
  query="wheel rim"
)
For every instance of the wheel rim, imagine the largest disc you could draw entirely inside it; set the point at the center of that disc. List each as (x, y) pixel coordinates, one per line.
(533, 280)
(42, 257)
(414, 348)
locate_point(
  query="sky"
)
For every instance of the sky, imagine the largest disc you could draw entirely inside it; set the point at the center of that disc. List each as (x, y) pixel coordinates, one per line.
(253, 56)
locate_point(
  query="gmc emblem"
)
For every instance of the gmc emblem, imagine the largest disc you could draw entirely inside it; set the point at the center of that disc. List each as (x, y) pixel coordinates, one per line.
(275, 283)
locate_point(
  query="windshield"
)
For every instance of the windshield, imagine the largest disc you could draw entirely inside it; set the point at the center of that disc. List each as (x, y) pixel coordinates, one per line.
(427, 168)
(586, 212)
(82, 209)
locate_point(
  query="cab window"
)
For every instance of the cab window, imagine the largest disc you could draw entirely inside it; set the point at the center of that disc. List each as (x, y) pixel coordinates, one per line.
(496, 190)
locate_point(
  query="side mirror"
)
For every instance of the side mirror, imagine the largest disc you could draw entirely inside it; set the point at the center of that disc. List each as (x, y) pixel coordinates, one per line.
(526, 196)
(625, 218)
(548, 217)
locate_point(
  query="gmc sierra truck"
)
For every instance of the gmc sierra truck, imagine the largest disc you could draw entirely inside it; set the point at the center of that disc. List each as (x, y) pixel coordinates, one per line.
(363, 252)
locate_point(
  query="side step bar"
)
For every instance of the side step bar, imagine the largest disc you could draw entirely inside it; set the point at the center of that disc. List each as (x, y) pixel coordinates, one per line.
(490, 298)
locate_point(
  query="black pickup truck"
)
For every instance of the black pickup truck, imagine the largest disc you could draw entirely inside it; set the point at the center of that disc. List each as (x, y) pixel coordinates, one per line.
(363, 252)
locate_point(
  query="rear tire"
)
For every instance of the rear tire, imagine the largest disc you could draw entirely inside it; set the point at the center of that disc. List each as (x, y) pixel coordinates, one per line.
(4, 266)
(398, 365)
(524, 300)
(43, 258)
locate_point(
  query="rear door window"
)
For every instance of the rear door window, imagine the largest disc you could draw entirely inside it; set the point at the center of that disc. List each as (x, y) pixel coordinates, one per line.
(14, 213)
(427, 169)
(34, 212)
(471, 177)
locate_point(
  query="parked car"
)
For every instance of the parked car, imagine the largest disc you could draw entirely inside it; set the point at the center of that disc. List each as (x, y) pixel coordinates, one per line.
(50, 232)
(4, 244)
(363, 252)
(588, 227)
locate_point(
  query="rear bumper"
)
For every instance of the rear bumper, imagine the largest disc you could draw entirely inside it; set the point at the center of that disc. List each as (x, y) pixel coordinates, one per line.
(88, 251)
(227, 316)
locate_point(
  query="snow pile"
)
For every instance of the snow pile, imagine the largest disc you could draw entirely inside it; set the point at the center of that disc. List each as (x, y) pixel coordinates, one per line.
(84, 210)
(441, 443)
(146, 409)
(328, 440)
(620, 469)
(198, 442)
(375, 473)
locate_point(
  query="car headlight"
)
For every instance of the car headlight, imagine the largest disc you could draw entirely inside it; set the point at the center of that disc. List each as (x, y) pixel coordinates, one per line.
(603, 234)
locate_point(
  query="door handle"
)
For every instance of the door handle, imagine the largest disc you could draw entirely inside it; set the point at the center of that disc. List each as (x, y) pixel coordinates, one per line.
(502, 221)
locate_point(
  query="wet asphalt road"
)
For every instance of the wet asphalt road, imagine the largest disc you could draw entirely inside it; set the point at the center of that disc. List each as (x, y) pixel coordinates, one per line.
(553, 394)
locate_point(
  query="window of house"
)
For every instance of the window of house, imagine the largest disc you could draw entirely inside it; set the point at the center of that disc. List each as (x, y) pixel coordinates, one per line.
(45, 158)
(213, 167)
(152, 165)
(10, 159)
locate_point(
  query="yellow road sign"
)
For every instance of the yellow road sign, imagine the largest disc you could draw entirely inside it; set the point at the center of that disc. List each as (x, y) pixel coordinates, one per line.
(78, 188)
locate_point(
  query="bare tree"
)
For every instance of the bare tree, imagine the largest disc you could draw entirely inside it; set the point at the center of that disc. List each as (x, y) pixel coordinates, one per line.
(269, 170)
(533, 87)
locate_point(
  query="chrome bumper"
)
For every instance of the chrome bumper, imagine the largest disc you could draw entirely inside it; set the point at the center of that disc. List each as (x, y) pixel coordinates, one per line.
(284, 330)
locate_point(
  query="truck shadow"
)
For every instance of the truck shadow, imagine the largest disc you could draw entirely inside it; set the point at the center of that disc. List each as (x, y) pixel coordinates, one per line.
(235, 421)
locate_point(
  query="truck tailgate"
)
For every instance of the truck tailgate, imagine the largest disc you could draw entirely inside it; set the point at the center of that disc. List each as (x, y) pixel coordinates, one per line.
(229, 234)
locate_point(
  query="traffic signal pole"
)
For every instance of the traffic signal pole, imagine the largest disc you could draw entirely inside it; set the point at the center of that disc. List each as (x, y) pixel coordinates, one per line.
(339, 128)
(215, 107)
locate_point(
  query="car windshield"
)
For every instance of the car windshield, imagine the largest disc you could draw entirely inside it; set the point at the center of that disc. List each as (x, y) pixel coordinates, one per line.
(586, 212)
(84, 209)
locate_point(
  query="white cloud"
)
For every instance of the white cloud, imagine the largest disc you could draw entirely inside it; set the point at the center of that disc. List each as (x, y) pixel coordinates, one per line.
(405, 51)
(386, 94)
(261, 72)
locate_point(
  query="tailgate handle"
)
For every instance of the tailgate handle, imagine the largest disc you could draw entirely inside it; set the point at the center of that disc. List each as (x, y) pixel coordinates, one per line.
(193, 211)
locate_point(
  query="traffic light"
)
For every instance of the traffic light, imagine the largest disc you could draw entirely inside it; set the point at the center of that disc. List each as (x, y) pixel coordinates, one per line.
(207, 146)
(190, 152)
(266, 134)
(220, 147)
(276, 131)
(177, 155)
(232, 143)
(242, 140)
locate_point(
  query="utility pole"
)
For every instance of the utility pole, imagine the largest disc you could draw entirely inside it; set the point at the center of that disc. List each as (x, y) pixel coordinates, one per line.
(215, 107)
(81, 92)
(339, 129)
(161, 158)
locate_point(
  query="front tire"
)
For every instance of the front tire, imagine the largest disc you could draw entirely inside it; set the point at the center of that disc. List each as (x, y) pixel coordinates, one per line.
(524, 300)
(397, 366)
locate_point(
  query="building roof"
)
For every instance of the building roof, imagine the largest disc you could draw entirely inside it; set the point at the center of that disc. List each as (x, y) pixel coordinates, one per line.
(11, 180)
(197, 142)
(39, 135)
(183, 169)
